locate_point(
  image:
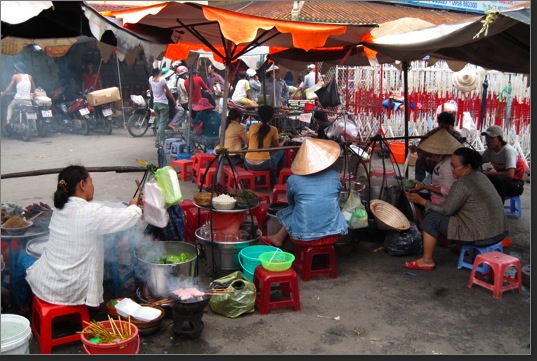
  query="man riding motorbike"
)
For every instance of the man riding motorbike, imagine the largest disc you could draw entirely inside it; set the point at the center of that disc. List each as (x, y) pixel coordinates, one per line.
(25, 89)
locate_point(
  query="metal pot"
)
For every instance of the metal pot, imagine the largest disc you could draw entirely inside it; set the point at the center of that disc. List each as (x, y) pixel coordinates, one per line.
(160, 278)
(223, 256)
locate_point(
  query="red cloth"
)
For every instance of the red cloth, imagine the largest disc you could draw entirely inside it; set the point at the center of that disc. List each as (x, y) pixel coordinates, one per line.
(91, 80)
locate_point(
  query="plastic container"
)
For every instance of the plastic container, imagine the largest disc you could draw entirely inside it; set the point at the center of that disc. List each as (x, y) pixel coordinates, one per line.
(398, 152)
(249, 259)
(129, 346)
(16, 335)
(276, 261)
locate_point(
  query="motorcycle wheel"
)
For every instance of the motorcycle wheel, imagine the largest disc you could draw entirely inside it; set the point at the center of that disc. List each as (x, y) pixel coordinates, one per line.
(81, 126)
(137, 124)
(42, 130)
(107, 126)
(58, 124)
(7, 131)
(26, 130)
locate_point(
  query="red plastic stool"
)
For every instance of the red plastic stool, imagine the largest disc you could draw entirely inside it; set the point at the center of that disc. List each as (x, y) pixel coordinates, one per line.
(208, 178)
(241, 175)
(265, 178)
(260, 214)
(284, 174)
(45, 314)
(263, 197)
(499, 262)
(305, 252)
(201, 160)
(279, 189)
(267, 281)
(185, 168)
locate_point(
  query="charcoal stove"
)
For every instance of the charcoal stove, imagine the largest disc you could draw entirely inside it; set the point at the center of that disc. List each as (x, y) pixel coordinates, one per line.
(187, 316)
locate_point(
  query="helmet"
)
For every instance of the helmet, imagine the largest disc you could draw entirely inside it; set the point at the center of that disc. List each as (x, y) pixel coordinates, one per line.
(250, 72)
(181, 69)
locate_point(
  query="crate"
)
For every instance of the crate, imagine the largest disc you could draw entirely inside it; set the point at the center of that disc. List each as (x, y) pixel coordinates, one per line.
(103, 96)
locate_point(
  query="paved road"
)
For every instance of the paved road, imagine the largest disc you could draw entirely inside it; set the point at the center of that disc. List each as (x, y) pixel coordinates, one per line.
(373, 307)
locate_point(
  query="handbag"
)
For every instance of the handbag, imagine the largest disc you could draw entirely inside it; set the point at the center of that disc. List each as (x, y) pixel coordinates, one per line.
(197, 129)
(328, 95)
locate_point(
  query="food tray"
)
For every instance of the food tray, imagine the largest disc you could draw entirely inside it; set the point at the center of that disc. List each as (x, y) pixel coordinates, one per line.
(234, 210)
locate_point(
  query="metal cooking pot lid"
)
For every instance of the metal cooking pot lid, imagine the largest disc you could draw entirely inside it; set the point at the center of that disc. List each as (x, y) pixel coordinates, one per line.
(36, 246)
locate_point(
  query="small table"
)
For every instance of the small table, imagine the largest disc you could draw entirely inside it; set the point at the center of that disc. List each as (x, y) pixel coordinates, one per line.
(16, 244)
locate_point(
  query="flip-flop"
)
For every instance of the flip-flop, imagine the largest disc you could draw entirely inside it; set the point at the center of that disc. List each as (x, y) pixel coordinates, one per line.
(414, 265)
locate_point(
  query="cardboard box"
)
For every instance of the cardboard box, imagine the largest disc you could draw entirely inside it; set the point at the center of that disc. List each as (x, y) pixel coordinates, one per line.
(103, 96)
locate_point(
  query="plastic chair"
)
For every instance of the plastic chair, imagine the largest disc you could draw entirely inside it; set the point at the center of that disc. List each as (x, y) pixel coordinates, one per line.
(277, 191)
(305, 251)
(168, 144)
(241, 175)
(266, 282)
(499, 262)
(468, 261)
(44, 315)
(200, 160)
(514, 209)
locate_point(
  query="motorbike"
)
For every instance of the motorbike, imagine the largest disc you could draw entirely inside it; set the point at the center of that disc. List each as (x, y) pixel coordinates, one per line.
(69, 114)
(43, 107)
(99, 116)
(23, 122)
(141, 118)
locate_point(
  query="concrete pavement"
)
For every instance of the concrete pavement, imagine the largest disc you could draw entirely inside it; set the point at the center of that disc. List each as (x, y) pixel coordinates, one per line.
(373, 307)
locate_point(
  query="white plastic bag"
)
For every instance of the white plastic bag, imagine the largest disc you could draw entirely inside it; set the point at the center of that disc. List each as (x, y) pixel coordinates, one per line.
(354, 212)
(155, 210)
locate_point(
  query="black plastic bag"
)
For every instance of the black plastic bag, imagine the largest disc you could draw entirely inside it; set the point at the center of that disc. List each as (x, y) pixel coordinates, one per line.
(207, 95)
(328, 95)
(404, 243)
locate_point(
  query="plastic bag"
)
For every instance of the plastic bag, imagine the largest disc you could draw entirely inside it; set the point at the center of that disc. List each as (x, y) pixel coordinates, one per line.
(354, 211)
(169, 184)
(343, 127)
(236, 303)
(404, 243)
(328, 95)
(155, 212)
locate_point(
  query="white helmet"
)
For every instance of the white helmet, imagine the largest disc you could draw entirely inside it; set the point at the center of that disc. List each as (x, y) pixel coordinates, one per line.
(250, 72)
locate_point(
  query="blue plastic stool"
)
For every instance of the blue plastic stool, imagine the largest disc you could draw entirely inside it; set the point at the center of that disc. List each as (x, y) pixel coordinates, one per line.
(168, 144)
(514, 209)
(468, 261)
(177, 148)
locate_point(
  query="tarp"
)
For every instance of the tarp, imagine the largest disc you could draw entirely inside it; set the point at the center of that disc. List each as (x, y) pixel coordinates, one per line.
(56, 25)
(229, 35)
(498, 40)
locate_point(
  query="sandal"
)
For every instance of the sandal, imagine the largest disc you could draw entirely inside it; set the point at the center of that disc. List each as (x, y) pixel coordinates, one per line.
(414, 265)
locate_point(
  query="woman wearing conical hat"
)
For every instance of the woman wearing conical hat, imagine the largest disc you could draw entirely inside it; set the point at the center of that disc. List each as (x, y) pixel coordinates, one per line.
(312, 192)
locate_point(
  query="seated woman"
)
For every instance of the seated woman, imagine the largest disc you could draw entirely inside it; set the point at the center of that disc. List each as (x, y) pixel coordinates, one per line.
(211, 124)
(439, 147)
(242, 93)
(263, 135)
(312, 193)
(472, 213)
(235, 136)
(70, 270)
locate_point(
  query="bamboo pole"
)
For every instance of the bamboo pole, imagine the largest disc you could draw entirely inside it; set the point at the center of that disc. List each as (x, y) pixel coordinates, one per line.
(37, 172)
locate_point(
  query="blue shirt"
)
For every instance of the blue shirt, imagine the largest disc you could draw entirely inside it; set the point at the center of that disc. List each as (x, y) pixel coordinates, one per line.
(313, 210)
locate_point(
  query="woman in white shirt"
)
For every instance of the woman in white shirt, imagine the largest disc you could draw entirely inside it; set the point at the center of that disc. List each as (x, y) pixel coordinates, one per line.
(70, 270)
(242, 94)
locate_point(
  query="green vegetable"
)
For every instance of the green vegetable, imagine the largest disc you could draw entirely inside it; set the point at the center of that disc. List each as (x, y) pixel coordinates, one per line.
(172, 259)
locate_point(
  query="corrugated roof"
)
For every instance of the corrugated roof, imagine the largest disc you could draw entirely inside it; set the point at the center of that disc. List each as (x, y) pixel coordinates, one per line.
(345, 11)
(355, 12)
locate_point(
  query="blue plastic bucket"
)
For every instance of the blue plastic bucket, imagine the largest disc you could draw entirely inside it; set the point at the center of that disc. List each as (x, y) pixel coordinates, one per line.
(249, 259)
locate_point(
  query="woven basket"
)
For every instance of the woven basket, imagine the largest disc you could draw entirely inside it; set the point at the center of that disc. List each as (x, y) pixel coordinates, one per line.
(388, 217)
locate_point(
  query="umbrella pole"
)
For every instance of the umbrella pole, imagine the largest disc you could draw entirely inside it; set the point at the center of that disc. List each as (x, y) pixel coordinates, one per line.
(407, 110)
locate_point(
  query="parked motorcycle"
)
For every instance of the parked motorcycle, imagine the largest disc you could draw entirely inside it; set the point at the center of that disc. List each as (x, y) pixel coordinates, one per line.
(100, 116)
(141, 118)
(69, 114)
(43, 105)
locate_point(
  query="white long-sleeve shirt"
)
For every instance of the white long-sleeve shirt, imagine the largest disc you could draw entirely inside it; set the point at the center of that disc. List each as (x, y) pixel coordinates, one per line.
(70, 270)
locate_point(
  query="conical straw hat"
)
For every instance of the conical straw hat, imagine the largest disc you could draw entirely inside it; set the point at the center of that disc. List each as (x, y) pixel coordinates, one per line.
(315, 155)
(441, 143)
